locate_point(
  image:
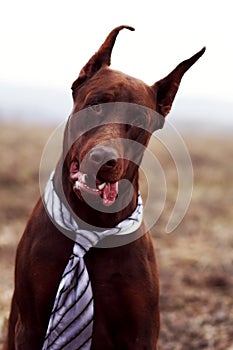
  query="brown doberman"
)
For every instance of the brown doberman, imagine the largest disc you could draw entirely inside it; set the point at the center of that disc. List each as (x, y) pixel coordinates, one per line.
(124, 278)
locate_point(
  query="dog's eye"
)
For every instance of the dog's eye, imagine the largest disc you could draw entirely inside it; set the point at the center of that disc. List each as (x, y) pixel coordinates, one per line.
(139, 121)
(97, 108)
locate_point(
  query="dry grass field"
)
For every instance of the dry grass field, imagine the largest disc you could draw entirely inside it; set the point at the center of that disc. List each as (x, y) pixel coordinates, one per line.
(195, 261)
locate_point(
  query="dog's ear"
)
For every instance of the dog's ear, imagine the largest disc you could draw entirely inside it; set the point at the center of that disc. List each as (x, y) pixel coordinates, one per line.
(166, 89)
(101, 58)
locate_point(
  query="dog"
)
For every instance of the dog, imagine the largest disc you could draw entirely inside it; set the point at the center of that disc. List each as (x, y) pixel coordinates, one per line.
(124, 277)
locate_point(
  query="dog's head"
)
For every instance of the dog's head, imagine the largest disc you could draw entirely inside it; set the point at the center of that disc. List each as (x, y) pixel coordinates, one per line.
(109, 108)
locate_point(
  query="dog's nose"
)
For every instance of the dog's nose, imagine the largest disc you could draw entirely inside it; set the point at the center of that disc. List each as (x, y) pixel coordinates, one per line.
(104, 157)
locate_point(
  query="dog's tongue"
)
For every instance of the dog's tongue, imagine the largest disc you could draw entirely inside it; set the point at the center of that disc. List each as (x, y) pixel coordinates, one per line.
(110, 193)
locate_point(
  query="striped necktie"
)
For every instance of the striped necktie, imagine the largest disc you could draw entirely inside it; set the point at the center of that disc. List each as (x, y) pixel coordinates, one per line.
(71, 321)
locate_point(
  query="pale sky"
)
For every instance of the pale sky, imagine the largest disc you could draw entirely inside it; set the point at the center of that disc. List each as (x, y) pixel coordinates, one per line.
(45, 43)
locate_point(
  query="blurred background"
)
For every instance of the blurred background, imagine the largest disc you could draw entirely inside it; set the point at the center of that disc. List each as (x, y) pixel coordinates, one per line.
(44, 45)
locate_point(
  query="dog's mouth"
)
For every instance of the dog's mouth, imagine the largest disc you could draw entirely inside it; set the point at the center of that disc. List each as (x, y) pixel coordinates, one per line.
(90, 185)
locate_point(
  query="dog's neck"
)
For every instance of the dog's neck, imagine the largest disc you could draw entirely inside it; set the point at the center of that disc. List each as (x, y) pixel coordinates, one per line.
(90, 215)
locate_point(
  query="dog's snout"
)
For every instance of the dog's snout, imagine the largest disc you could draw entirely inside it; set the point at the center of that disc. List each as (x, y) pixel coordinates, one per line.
(103, 157)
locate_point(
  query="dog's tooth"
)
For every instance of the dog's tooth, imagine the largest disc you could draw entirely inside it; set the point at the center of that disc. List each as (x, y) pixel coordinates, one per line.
(84, 178)
(77, 184)
(101, 186)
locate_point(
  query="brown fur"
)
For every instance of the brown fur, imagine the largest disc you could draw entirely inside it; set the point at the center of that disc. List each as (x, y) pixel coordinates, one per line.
(124, 279)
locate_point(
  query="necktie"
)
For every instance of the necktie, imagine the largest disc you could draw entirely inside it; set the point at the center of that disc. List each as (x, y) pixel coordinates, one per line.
(71, 321)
